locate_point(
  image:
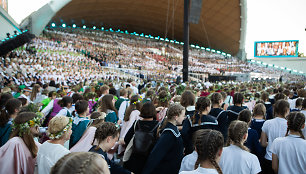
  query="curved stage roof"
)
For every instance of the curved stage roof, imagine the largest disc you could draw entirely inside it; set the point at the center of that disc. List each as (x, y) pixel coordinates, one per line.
(218, 27)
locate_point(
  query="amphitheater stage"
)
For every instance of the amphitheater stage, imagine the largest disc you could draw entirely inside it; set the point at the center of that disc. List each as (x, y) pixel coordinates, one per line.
(294, 63)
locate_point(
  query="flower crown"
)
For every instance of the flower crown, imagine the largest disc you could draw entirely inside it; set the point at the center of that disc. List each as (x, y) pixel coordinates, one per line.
(25, 127)
(59, 134)
(138, 101)
(164, 99)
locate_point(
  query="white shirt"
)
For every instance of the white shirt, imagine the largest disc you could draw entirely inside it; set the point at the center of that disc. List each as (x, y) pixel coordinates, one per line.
(63, 112)
(122, 108)
(291, 153)
(201, 170)
(48, 154)
(274, 128)
(189, 161)
(238, 161)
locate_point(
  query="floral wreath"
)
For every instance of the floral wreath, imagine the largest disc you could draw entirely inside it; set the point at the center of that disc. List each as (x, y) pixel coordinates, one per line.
(25, 127)
(166, 98)
(138, 101)
(59, 134)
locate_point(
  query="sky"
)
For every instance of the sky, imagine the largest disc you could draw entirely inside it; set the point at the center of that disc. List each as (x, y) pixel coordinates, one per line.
(267, 20)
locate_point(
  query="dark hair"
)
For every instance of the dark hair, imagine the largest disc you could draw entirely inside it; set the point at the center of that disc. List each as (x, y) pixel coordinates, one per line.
(81, 106)
(265, 96)
(295, 122)
(76, 97)
(245, 115)
(148, 110)
(27, 138)
(208, 142)
(163, 99)
(149, 94)
(104, 130)
(236, 130)
(113, 91)
(215, 98)
(9, 109)
(23, 101)
(304, 104)
(279, 96)
(187, 99)
(4, 98)
(238, 98)
(51, 94)
(298, 102)
(201, 105)
(174, 110)
(107, 103)
(123, 92)
(65, 101)
(132, 107)
(281, 107)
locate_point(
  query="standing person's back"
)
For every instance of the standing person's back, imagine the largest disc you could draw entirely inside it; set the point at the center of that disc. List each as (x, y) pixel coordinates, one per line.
(51, 151)
(235, 158)
(200, 120)
(137, 161)
(219, 114)
(273, 129)
(289, 153)
(233, 111)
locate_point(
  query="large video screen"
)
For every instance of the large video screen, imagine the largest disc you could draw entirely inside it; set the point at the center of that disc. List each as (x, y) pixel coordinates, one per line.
(276, 48)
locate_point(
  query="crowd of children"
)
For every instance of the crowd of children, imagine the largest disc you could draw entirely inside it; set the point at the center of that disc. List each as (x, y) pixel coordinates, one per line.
(154, 129)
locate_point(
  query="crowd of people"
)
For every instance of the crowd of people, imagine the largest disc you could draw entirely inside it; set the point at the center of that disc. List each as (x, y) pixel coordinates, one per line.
(63, 111)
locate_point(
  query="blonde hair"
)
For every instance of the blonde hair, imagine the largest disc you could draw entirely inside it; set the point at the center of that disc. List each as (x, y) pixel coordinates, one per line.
(236, 130)
(259, 109)
(81, 163)
(57, 124)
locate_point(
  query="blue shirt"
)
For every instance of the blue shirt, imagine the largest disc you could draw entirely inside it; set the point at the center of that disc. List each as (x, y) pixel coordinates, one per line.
(5, 132)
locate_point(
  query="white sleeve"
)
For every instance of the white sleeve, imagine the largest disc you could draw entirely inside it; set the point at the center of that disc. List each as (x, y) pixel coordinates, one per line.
(122, 109)
(62, 112)
(48, 108)
(265, 127)
(255, 165)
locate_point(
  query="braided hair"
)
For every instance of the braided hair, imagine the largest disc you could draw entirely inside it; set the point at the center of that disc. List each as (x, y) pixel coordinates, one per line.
(208, 142)
(201, 105)
(236, 130)
(80, 163)
(296, 121)
(104, 130)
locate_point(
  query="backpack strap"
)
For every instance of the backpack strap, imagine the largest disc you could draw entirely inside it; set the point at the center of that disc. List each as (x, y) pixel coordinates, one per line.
(156, 126)
(174, 133)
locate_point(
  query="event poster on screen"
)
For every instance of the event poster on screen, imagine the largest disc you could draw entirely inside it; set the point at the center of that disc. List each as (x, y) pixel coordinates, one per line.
(287, 48)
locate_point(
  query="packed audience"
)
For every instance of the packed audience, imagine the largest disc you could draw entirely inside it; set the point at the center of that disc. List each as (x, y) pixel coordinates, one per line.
(62, 111)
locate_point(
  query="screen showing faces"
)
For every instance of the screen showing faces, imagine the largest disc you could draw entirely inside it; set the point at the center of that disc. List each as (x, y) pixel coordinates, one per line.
(276, 48)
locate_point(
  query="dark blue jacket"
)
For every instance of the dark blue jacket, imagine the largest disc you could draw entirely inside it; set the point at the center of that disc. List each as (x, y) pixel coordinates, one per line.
(221, 116)
(207, 122)
(113, 167)
(233, 112)
(167, 154)
(5, 132)
(257, 125)
(253, 144)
